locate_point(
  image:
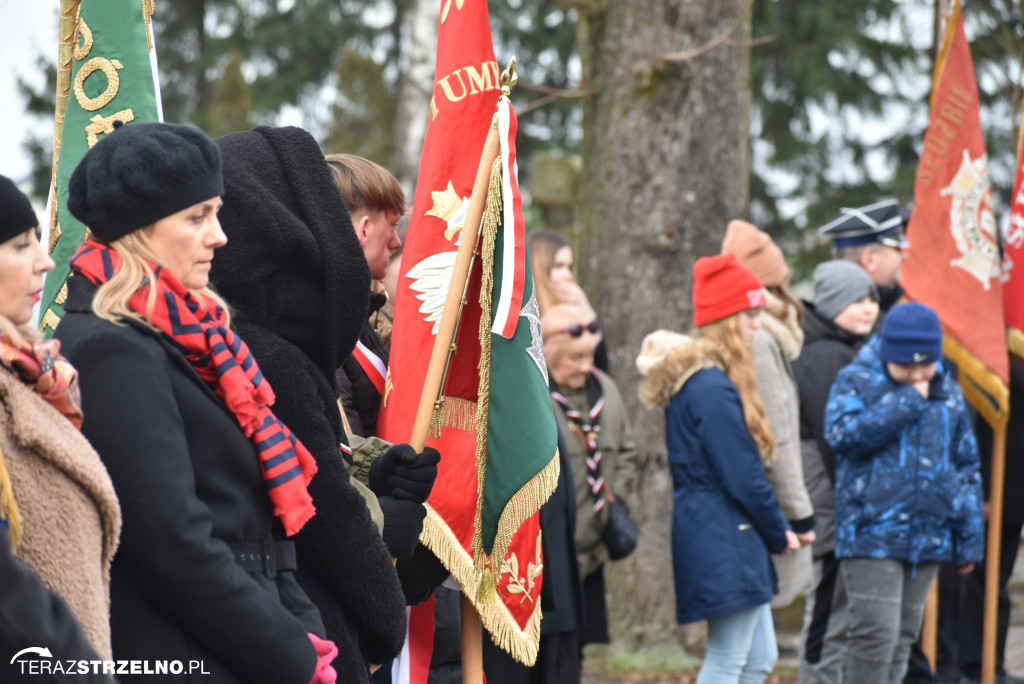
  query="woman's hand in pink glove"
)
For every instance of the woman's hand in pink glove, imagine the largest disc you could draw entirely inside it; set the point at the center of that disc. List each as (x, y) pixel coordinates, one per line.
(326, 652)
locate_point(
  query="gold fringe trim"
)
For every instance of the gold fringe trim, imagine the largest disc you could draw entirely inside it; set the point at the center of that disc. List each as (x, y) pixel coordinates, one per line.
(521, 644)
(474, 572)
(489, 229)
(486, 594)
(1014, 337)
(980, 385)
(524, 504)
(534, 493)
(8, 506)
(454, 412)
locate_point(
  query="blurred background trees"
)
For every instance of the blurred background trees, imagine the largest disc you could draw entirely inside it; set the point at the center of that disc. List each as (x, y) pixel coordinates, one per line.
(644, 127)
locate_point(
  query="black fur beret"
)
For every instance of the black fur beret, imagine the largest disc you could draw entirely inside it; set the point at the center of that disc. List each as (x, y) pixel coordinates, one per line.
(141, 173)
(16, 212)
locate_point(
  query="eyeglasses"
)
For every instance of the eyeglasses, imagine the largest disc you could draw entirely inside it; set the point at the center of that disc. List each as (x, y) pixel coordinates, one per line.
(576, 330)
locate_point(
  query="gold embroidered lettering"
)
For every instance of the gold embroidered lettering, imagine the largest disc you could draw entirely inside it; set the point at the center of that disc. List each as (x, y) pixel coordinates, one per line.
(105, 124)
(945, 129)
(952, 114)
(85, 36)
(448, 89)
(936, 145)
(958, 91)
(483, 80)
(109, 68)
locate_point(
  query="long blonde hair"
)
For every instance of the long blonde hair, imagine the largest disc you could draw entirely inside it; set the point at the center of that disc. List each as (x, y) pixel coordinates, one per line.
(543, 245)
(726, 333)
(112, 297)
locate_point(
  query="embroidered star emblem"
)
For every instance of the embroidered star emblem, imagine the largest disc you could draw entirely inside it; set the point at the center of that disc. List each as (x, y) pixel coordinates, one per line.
(531, 312)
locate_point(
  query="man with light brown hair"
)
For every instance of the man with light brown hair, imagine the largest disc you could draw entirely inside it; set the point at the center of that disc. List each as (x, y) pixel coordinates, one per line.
(375, 202)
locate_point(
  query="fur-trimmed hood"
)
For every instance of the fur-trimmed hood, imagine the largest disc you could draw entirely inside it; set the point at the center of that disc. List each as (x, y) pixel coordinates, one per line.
(668, 359)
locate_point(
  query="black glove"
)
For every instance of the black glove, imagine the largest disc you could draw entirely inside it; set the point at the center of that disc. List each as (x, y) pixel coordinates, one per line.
(420, 574)
(403, 522)
(402, 473)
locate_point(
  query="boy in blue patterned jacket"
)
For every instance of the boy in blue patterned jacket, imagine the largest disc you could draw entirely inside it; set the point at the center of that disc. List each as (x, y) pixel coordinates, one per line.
(908, 487)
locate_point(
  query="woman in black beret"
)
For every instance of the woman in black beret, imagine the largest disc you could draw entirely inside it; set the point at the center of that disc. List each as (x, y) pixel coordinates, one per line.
(211, 482)
(58, 511)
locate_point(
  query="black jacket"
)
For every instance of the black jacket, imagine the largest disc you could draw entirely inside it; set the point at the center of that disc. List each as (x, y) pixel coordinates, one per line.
(827, 348)
(33, 616)
(190, 484)
(1013, 506)
(295, 275)
(561, 594)
(358, 394)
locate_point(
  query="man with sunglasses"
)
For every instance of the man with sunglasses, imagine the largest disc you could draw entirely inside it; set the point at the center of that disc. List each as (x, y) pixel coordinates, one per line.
(873, 237)
(576, 329)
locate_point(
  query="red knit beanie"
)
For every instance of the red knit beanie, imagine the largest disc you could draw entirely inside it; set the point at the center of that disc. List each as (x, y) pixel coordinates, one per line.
(722, 286)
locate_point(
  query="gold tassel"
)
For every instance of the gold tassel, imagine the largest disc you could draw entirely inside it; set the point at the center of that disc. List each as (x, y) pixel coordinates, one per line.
(485, 593)
(8, 506)
(1015, 342)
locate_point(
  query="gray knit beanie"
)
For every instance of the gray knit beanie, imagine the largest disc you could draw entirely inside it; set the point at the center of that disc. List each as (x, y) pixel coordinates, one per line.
(838, 284)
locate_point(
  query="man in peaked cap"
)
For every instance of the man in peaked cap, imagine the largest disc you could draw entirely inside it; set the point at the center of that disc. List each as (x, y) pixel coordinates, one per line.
(872, 236)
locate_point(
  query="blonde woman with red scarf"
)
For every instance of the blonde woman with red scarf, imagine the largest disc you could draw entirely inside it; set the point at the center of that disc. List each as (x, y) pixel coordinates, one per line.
(58, 510)
(211, 482)
(725, 521)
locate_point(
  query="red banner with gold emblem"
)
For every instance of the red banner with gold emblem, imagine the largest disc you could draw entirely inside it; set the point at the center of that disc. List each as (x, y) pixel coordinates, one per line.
(953, 263)
(494, 425)
(1013, 260)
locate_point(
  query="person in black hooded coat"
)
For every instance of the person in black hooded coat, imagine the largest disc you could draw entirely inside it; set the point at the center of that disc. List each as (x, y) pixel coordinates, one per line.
(295, 275)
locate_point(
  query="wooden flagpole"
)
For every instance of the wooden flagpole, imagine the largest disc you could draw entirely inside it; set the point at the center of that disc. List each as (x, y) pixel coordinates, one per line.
(997, 486)
(472, 637)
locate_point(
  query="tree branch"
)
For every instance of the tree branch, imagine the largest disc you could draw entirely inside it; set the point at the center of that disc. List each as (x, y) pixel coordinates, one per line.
(722, 39)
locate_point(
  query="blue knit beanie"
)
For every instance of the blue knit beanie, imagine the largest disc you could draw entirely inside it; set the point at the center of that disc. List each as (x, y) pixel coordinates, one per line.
(911, 334)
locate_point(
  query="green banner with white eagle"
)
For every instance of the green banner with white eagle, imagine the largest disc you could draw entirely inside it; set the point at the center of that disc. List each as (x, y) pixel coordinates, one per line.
(106, 72)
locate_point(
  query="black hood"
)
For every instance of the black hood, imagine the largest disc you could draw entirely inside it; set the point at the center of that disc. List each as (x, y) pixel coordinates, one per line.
(293, 264)
(817, 328)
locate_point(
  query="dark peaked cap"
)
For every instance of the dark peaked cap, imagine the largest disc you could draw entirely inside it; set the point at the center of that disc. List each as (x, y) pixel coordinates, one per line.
(879, 222)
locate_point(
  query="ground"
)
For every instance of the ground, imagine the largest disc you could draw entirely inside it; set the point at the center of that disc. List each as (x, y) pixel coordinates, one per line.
(672, 664)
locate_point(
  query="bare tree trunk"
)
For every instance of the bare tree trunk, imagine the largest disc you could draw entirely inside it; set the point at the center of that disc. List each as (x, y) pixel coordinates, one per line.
(414, 92)
(665, 158)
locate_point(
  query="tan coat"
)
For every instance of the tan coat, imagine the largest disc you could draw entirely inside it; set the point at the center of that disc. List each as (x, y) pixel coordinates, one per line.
(71, 518)
(775, 345)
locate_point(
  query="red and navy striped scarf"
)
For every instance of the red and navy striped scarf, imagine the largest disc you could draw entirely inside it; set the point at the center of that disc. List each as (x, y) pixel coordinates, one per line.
(194, 325)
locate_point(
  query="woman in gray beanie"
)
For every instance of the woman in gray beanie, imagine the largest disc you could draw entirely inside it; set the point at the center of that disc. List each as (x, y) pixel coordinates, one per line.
(835, 326)
(210, 481)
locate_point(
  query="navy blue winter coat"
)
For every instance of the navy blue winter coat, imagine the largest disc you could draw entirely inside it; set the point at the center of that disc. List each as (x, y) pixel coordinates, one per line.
(908, 484)
(725, 518)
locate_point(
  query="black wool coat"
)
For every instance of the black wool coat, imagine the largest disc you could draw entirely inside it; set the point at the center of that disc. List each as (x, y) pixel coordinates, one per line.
(346, 567)
(827, 349)
(190, 484)
(33, 616)
(298, 283)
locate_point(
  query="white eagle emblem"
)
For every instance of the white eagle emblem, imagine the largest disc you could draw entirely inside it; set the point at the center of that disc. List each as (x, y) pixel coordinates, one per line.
(431, 278)
(972, 221)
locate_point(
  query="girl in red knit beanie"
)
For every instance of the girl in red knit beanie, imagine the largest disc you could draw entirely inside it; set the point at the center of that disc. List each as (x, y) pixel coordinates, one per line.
(725, 520)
